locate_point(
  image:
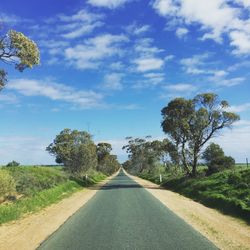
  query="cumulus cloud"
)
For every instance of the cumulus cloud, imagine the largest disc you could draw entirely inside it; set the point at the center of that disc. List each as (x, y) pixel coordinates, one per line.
(113, 81)
(148, 58)
(111, 4)
(148, 64)
(181, 32)
(91, 53)
(56, 92)
(227, 18)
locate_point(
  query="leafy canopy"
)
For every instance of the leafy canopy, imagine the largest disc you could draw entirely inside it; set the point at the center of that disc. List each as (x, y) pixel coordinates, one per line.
(191, 123)
(19, 50)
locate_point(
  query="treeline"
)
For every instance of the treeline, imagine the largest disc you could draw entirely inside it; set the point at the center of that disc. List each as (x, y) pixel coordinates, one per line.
(78, 153)
(189, 124)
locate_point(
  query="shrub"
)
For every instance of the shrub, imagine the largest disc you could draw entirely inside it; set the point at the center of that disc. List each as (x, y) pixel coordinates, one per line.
(34, 179)
(13, 164)
(7, 184)
(216, 159)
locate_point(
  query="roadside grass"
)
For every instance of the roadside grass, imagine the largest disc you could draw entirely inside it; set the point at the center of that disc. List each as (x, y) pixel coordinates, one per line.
(30, 180)
(227, 191)
(15, 210)
(39, 187)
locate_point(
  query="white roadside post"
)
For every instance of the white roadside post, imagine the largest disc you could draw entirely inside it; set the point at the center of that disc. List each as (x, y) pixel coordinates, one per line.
(160, 178)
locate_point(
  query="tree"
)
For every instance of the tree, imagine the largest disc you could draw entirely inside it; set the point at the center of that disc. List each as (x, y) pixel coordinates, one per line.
(190, 124)
(215, 159)
(19, 50)
(107, 163)
(145, 154)
(75, 149)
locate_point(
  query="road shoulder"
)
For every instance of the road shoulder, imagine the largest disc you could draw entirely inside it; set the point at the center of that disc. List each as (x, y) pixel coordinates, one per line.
(29, 232)
(224, 231)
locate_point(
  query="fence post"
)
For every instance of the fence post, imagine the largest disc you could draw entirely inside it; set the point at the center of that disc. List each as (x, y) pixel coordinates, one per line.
(160, 178)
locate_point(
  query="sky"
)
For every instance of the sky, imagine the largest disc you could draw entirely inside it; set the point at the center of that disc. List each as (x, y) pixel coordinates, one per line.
(110, 66)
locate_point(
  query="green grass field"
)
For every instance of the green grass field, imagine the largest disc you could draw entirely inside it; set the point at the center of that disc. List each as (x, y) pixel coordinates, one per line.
(227, 191)
(38, 187)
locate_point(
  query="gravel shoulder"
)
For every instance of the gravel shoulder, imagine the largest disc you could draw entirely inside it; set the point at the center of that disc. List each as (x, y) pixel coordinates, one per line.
(29, 232)
(224, 231)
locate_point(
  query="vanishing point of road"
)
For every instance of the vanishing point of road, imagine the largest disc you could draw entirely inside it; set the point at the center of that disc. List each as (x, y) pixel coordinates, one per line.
(123, 215)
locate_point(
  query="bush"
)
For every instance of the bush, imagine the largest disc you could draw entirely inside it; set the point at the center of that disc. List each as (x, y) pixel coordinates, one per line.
(13, 164)
(7, 184)
(216, 159)
(30, 180)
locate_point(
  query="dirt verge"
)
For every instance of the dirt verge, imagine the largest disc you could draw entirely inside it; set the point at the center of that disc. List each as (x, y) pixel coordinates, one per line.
(28, 233)
(224, 231)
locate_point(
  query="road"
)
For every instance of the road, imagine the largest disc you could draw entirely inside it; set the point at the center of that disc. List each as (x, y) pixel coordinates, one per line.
(123, 215)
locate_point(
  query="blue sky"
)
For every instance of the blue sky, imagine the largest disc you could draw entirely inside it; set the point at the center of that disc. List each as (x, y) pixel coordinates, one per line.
(110, 66)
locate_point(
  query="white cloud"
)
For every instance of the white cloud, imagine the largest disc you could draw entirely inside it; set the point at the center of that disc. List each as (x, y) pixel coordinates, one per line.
(169, 58)
(145, 48)
(215, 18)
(148, 64)
(241, 41)
(136, 29)
(111, 4)
(194, 64)
(181, 32)
(230, 82)
(154, 78)
(93, 51)
(56, 92)
(79, 24)
(113, 81)
(147, 58)
(240, 108)
(165, 7)
(181, 87)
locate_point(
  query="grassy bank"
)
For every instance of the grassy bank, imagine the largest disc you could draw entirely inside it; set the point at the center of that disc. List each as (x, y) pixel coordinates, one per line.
(39, 187)
(227, 191)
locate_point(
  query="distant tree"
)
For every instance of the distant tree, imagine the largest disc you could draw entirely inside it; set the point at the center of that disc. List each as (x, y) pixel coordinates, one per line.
(216, 160)
(107, 163)
(19, 50)
(144, 154)
(190, 124)
(76, 150)
(13, 164)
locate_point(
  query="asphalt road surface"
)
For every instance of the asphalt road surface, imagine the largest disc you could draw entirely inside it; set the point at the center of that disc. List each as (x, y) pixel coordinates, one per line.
(123, 215)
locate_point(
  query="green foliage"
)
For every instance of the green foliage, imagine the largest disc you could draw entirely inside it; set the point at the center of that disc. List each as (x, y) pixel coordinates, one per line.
(17, 49)
(24, 49)
(40, 187)
(144, 155)
(107, 163)
(76, 150)
(13, 164)
(7, 184)
(34, 203)
(228, 191)
(30, 180)
(216, 160)
(192, 123)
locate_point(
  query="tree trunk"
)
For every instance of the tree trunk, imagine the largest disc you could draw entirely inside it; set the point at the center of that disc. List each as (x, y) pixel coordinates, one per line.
(184, 160)
(195, 161)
